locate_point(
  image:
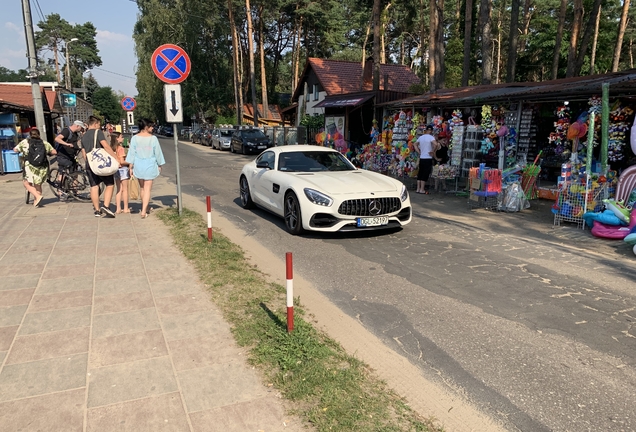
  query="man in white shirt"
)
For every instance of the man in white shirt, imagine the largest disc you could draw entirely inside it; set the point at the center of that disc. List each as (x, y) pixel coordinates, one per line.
(426, 147)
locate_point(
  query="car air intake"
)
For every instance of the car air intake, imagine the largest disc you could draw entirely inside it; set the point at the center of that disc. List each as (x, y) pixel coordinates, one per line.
(369, 206)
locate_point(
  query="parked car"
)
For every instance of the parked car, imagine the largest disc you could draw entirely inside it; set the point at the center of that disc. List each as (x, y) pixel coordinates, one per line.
(206, 137)
(197, 134)
(133, 129)
(317, 188)
(167, 131)
(249, 140)
(221, 138)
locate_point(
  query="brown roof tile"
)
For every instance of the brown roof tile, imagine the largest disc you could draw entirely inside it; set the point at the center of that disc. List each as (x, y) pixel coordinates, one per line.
(16, 94)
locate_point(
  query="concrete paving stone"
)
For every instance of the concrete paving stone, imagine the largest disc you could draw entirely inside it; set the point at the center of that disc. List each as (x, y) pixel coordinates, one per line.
(176, 287)
(218, 385)
(262, 414)
(14, 269)
(64, 271)
(204, 351)
(3, 354)
(12, 315)
(105, 287)
(116, 251)
(159, 266)
(6, 336)
(40, 232)
(194, 325)
(55, 320)
(116, 272)
(19, 281)
(70, 251)
(35, 242)
(124, 323)
(81, 240)
(77, 258)
(49, 345)
(62, 411)
(123, 227)
(124, 262)
(183, 304)
(116, 243)
(124, 237)
(128, 381)
(163, 413)
(71, 283)
(63, 300)
(30, 249)
(16, 297)
(43, 376)
(126, 348)
(13, 258)
(123, 302)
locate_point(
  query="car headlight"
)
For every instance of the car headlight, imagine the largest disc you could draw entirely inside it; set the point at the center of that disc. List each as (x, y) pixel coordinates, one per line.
(404, 194)
(318, 198)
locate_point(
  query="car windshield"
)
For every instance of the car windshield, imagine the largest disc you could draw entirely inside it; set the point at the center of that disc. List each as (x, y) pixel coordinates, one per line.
(312, 161)
(226, 133)
(253, 134)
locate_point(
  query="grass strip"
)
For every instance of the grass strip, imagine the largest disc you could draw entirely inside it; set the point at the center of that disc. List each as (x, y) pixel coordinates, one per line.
(327, 388)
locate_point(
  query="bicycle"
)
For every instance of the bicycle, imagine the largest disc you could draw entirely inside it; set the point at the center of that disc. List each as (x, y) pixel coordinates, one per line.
(73, 182)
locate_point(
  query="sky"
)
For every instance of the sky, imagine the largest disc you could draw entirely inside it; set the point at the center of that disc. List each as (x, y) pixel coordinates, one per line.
(114, 21)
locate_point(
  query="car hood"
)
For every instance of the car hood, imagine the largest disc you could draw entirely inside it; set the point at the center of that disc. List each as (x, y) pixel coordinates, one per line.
(350, 182)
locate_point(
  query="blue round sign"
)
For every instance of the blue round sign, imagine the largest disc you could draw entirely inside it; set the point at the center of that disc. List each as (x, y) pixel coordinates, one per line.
(170, 63)
(128, 103)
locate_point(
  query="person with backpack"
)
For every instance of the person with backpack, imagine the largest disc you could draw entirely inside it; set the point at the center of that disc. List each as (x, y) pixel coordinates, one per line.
(36, 163)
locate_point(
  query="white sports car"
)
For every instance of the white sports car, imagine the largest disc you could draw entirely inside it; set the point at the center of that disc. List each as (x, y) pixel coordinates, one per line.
(317, 188)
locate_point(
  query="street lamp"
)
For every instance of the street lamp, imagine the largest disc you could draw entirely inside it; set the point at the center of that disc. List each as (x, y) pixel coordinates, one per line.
(68, 77)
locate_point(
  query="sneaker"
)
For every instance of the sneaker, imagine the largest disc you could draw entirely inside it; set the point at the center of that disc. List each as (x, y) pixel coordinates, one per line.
(63, 197)
(107, 212)
(98, 213)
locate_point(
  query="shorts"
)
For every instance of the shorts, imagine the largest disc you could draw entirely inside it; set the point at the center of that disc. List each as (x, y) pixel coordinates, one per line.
(95, 180)
(426, 167)
(122, 173)
(63, 162)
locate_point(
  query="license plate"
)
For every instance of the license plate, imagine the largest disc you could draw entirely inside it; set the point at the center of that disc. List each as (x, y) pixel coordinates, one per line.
(262, 147)
(372, 221)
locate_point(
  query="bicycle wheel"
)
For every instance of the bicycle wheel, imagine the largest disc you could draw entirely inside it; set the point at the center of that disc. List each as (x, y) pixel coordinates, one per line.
(77, 185)
(52, 181)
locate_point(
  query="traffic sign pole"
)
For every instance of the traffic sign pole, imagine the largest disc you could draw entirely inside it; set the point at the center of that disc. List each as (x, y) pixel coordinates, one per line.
(176, 152)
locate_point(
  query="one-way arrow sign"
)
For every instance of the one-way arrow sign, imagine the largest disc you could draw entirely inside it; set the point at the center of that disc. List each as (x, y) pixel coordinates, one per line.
(174, 113)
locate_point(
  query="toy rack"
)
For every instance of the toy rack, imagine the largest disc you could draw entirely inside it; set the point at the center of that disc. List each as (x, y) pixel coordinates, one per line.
(574, 200)
(485, 187)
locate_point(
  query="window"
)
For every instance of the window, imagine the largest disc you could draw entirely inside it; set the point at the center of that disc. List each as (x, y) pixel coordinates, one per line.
(268, 157)
(307, 96)
(315, 92)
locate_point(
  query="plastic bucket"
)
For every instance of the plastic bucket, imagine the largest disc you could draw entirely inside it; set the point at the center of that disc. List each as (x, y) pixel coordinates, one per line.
(11, 161)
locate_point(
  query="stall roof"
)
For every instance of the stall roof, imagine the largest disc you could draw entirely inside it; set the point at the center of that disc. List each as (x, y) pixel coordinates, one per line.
(343, 100)
(621, 84)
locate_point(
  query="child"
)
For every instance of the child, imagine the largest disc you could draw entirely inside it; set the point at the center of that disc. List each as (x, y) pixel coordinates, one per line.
(122, 176)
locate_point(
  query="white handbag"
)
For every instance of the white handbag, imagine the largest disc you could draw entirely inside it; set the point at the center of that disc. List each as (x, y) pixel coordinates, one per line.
(101, 163)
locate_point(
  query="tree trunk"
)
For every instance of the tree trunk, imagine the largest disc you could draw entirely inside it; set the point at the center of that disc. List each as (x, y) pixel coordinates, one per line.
(574, 39)
(261, 43)
(468, 22)
(589, 32)
(593, 57)
(57, 63)
(385, 20)
(432, 46)
(631, 54)
(513, 40)
(486, 42)
(439, 46)
(621, 34)
(364, 52)
(559, 39)
(238, 94)
(502, 8)
(297, 64)
(250, 48)
(376, 45)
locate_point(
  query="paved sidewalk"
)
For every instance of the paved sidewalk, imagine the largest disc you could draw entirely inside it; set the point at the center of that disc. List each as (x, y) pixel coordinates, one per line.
(104, 326)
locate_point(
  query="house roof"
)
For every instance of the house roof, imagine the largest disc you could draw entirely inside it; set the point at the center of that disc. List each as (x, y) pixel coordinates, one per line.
(20, 96)
(274, 112)
(341, 77)
(620, 83)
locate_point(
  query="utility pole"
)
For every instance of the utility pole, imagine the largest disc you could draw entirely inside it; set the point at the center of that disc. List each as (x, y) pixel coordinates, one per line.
(38, 108)
(68, 69)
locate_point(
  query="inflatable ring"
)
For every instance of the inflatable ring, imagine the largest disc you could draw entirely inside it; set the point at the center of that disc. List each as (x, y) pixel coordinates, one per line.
(618, 208)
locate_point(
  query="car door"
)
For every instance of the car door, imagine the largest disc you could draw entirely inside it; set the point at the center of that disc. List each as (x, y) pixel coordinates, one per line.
(262, 181)
(214, 140)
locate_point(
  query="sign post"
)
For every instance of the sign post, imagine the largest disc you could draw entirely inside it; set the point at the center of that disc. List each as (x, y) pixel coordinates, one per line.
(171, 64)
(129, 104)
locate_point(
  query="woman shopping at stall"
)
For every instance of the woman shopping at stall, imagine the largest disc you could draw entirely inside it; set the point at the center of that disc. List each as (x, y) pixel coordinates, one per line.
(145, 159)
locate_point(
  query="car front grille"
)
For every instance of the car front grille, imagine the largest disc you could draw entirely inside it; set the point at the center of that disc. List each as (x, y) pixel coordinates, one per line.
(369, 206)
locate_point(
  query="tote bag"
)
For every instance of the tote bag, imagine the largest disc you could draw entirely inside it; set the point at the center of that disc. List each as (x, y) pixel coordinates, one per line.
(101, 163)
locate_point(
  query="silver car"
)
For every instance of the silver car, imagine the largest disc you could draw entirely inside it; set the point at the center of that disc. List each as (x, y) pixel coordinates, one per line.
(221, 138)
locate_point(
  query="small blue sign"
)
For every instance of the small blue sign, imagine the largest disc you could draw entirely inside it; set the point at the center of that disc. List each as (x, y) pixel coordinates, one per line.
(128, 103)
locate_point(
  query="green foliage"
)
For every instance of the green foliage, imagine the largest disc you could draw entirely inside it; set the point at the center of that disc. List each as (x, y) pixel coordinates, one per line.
(313, 122)
(7, 75)
(453, 59)
(107, 103)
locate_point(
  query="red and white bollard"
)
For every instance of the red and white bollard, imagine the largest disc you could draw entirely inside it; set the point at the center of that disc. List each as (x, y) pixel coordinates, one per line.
(209, 203)
(290, 293)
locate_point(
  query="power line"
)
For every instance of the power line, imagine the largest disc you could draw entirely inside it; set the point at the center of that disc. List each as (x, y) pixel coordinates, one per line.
(114, 73)
(39, 9)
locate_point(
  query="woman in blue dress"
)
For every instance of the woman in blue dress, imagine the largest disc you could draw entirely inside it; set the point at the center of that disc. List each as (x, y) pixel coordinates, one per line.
(145, 159)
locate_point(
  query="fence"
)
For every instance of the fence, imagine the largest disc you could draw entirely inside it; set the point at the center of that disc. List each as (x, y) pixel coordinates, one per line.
(286, 135)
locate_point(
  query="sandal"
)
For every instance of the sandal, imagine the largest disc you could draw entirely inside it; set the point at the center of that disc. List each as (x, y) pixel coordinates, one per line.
(144, 216)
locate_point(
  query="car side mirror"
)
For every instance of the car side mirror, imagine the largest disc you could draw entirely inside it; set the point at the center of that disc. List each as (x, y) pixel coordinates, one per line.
(263, 164)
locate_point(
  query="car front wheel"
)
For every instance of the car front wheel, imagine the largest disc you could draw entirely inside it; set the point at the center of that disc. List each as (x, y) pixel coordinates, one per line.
(293, 219)
(246, 197)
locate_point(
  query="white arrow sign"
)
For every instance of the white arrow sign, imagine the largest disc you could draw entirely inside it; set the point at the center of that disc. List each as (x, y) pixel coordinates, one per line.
(174, 113)
(130, 119)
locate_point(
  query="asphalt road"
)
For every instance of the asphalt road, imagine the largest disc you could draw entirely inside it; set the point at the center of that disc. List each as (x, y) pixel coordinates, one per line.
(536, 333)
